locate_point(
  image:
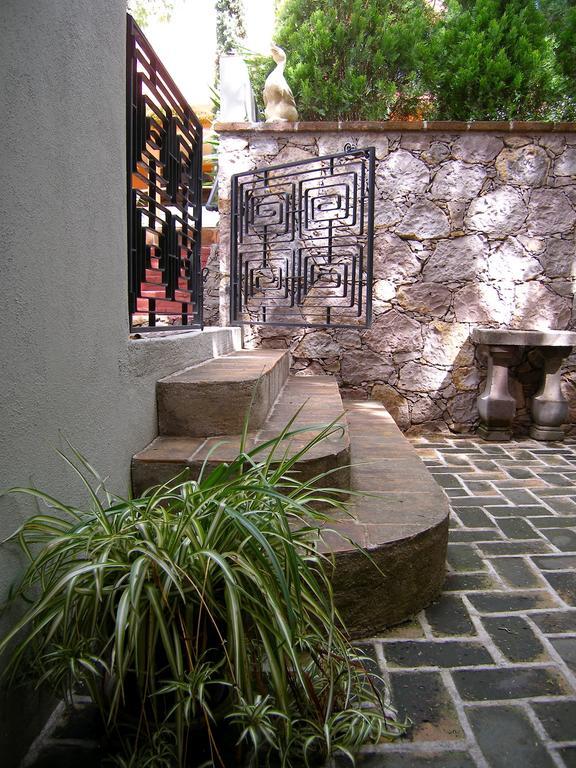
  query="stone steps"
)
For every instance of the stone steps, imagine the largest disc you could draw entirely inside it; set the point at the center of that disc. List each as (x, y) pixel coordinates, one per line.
(316, 401)
(215, 397)
(389, 554)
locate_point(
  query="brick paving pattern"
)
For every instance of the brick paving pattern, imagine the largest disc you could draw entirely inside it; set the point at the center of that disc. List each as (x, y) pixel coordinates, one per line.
(488, 673)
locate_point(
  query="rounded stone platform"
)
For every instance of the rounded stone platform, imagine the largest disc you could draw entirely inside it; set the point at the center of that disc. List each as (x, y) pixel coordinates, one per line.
(389, 555)
(388, 548)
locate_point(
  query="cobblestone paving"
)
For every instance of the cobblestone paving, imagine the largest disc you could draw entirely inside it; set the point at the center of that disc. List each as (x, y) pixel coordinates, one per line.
(488, 673)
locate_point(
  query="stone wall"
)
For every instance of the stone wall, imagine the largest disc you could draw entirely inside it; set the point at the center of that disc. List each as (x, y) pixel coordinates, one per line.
(474, 225)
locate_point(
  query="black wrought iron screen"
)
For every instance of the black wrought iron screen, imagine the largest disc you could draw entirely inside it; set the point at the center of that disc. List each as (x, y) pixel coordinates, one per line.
(164, 165)
(302, 242)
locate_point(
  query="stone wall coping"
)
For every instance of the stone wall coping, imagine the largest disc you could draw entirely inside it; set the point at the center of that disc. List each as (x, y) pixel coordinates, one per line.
(522, 338)
(395, 126)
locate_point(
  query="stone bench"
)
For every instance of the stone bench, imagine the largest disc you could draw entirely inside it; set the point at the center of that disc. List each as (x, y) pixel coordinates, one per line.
(496, 405)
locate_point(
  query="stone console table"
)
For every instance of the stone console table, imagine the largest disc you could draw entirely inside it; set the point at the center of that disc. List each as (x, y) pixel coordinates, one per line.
(496, 405)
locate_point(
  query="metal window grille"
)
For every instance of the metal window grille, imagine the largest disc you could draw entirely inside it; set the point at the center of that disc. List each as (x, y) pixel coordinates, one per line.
(302, 242)
(164, 169)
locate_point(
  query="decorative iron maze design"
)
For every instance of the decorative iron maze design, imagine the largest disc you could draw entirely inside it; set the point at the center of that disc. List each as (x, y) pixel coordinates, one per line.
(302, 242)
(164, 160)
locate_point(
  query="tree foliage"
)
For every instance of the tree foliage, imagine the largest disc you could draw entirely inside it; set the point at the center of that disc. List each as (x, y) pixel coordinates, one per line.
(382, 59)
(352, 59)
(561, 15)
(144, 10)
(494, 60)
(230, 30)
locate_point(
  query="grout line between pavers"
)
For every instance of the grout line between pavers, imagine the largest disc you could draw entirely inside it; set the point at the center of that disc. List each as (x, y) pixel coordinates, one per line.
(516, 702)
(569, 635)
(427, 747)
(473, 748)
(384, 671)
(496, 575)
(523, 612)
(437, 639)
(428, 633)
(568, 743)
(547, 742)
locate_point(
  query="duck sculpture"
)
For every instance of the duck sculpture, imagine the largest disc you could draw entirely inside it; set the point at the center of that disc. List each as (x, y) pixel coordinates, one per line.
(278, 99)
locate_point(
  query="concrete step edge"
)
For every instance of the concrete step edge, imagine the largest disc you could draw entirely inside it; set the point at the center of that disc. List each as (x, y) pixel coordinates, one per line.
(168, 455)
(216, 396)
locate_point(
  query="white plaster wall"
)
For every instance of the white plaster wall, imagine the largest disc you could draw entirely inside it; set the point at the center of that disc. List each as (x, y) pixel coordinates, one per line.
(69, 369)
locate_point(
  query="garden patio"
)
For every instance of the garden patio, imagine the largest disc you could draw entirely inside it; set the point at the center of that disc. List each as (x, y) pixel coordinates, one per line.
(391, 289)
(487, 673)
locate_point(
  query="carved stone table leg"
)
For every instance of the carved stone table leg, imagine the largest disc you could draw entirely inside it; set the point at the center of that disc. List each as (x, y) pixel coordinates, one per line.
(496, 405)
(549, 408)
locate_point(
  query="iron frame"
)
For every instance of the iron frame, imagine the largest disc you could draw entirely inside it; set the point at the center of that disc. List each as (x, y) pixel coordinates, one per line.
(238, 221)
(164, 151)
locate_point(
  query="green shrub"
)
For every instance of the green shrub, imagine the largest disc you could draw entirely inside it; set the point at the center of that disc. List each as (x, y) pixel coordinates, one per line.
(199, 617)
(351, 59)
(494, 60)
(382, 59)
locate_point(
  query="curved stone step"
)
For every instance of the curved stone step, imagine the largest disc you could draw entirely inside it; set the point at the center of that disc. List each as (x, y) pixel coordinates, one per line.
(402, 528)
(213, 398)
(316, 400)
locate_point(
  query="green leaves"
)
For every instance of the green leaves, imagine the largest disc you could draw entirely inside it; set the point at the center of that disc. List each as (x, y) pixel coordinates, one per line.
(201, 606)
(350, 60)
(377, 59)
(492, 60)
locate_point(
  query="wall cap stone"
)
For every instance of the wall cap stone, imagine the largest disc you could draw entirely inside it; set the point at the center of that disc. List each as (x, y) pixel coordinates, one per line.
(388, 126)
(529, 338)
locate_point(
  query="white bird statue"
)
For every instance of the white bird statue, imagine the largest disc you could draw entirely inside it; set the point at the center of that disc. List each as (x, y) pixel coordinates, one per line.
(278, 98)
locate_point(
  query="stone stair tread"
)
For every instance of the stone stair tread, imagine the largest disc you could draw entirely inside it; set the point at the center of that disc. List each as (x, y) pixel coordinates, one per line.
(240, 366)
(316, 401)
(215, 396)
(403, 530)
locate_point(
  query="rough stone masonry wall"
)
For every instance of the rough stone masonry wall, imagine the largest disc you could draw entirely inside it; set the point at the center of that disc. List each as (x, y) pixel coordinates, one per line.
(475, 225)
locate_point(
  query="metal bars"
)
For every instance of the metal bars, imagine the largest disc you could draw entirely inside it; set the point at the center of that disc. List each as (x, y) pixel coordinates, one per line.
(302, 242)
(164, 173)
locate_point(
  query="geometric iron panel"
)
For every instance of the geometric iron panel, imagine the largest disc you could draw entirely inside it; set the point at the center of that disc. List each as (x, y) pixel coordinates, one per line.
(164, 172)
(302, 242)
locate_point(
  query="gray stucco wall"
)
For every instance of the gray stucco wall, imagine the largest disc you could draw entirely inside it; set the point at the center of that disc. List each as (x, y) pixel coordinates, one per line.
(69, 369)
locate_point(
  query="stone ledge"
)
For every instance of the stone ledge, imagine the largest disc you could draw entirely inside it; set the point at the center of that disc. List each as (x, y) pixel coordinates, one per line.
(215, 397)
(523, 338)
(395, 126)
(312, 401)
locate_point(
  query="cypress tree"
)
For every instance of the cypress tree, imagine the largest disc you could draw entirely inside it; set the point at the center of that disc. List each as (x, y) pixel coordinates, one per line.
(494, 60)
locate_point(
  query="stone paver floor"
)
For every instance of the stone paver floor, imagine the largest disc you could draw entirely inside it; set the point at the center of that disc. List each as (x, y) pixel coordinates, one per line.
(488, 673)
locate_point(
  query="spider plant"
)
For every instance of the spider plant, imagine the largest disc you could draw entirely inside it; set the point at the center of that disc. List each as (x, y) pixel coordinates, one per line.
(199, 617)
